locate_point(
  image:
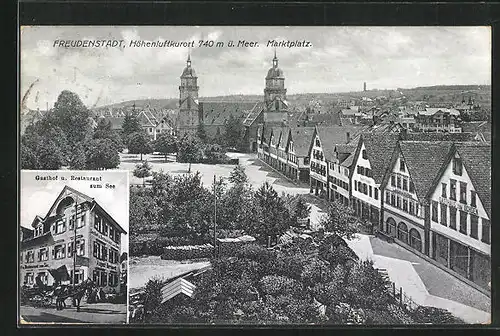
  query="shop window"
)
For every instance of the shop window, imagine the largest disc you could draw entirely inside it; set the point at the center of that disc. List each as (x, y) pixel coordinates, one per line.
(473, 226)
(443, 190)
(453, 218)
(444, 212)
(463, 222)
(415, 240)
(485, 236)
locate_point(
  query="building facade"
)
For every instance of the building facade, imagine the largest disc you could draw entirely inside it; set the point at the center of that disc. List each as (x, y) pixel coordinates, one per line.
(460, 221)
(98, 243)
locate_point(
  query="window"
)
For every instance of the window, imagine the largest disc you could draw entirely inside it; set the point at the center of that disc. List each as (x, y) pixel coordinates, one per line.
(463, 192)
(30, 256)
(79, 276)
(473, 226)
(356, 185)
(453, 218)
(412, 187)
(376, 193)
(60, 226)
(393, 200)
(59, 252)
(81, 221)
(405, 205)
(317, 143)
(72, 222)
(463, 222)
(113, 279)
(398, 201)
(393, 180)
(434, 211)
(401, 165)
(365, 156)
(457, 166)
(405, 184)
(486, 231)
(444, 213)
(443, 190)
(412, 208)
(370, 191)
(473, 198)
(453, 189)
(39, 230)
(43, 254)
(388, 197)
(399, 182)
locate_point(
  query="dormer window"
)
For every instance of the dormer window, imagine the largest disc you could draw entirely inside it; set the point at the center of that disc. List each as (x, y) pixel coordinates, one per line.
(39, 230)
(364, 155)
(457, 166)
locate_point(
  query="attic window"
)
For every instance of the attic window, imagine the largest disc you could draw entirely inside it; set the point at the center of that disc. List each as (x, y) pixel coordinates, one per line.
(401, 164)
(364, 155)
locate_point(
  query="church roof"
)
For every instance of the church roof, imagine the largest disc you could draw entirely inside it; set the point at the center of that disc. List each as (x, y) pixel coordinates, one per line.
(275, 73)
(301, 137)
(253, 114)
(217, 113)
(189, 72)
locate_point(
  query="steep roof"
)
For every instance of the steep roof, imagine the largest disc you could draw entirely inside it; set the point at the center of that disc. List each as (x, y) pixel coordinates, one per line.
(176, 287)
(217, 113)
(332, 135)
(379, 148)
(46, 238)
(285, 132)
(253, 114)
(439, 136)
(301, 137)
(277, 133)
(477, 161)
(424, 160)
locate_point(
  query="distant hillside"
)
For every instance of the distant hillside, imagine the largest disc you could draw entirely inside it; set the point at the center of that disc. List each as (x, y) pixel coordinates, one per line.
(433, 94)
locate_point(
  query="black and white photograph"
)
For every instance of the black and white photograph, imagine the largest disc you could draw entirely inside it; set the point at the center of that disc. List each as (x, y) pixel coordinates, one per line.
(63, 282)
(279, 175)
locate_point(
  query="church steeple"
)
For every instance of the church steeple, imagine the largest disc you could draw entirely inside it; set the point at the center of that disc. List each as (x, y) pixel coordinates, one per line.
(188, 99)
(275, 60)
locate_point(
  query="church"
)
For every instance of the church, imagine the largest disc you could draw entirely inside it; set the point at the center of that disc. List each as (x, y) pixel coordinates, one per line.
(213, 115)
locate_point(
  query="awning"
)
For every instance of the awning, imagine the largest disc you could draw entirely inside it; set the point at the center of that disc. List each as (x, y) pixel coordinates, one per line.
(60, 274)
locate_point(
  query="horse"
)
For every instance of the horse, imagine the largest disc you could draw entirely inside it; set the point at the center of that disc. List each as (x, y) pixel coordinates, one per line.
(76, 293)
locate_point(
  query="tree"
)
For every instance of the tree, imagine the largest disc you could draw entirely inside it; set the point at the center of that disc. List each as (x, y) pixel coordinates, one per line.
(78, 159)
(152, 295)
(201, 133)
(165, 144)
(214, 153)
(189, 149)
(29, 159)
(139, 143)
(72, 116)
(102, 154)
(233, 132)
(105, 131)
(142, 170)
(302, 209)
(238, 175)
(272, 216)
(130, 125)
(341, 221)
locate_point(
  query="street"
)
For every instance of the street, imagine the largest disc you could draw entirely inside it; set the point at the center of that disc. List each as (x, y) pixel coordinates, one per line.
(100, 313)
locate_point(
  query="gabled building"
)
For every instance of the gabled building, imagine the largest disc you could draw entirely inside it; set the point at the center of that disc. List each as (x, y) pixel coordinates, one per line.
(322, 154)
(282, 153)
(460, 219)
(98, 243)
(413, 168)
(371, 160)
(436, 119)
(339, 171)
(297, 149)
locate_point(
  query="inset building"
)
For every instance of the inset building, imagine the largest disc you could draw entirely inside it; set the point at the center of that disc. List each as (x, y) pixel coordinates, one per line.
(50, 243)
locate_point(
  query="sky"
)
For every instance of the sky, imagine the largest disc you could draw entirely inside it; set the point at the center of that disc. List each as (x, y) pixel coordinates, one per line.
(339, 59)
(38, 196)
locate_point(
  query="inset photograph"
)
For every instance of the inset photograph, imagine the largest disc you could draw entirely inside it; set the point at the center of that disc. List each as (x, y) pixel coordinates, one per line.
(73, 247)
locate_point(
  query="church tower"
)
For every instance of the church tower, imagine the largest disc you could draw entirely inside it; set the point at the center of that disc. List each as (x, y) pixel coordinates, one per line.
(276, 110)
(188, 100)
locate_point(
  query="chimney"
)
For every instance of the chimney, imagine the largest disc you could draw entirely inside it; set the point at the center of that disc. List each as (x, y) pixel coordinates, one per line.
(348, 137)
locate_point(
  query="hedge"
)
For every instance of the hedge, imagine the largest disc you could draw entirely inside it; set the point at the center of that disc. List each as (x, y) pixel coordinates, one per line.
(187, 252)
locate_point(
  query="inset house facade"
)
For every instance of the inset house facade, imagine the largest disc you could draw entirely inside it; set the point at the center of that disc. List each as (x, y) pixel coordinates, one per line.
(460, 220)
(51, 243)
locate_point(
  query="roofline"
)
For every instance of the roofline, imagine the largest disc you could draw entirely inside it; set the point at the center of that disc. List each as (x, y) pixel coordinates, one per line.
(66, 187)
(444, 165)
(121, 229)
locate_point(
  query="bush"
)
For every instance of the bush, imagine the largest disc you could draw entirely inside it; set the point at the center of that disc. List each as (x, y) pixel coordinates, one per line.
(280, 285)
(434, 315)
(187, 252)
